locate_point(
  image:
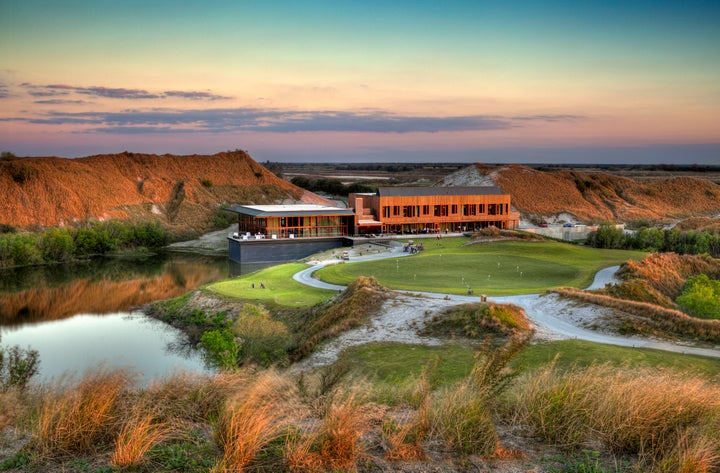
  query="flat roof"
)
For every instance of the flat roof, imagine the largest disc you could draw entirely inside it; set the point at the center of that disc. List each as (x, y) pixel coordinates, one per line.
(446, 190)
(299, 210)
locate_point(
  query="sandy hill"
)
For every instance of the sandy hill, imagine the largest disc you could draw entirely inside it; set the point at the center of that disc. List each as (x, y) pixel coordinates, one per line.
(594, 196)
(182, 191)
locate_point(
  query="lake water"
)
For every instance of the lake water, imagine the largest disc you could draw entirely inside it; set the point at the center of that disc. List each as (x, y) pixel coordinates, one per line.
(87, 315)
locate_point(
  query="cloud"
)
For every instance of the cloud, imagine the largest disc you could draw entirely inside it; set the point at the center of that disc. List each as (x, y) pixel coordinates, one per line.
(4, 91)
(61, 102)
(55, 90)
(221, 120)
(193, 95)
(109, 92)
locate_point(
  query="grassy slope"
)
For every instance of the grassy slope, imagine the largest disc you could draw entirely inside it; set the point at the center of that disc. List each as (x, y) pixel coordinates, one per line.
(396, 363)
(280, 287)
(499, 268)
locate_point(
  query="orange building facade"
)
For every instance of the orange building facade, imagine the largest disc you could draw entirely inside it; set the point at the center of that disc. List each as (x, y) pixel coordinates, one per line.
(432, 209)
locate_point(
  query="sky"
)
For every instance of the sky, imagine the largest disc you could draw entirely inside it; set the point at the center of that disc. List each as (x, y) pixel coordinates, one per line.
(577, 81)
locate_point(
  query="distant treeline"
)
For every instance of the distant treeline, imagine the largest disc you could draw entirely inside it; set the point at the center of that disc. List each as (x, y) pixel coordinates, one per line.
(70, 243)
(656, 240)
(330, 186)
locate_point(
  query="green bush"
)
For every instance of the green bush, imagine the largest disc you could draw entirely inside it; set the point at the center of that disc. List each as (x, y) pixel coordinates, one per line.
(221, 347)
(701, 297)
(64, 244)
(57, 244)
(264, 340)
(17, 366)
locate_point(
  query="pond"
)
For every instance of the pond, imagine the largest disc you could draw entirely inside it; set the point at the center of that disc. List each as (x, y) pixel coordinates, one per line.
(87, 315)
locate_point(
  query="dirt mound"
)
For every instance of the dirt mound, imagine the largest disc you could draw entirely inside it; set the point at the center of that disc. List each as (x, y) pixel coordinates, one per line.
(360, 300)
(181, 191)
(594, 196)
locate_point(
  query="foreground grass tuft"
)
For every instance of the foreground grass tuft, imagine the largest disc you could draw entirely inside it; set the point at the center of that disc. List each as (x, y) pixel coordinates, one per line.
(661, 417)
(81, 418)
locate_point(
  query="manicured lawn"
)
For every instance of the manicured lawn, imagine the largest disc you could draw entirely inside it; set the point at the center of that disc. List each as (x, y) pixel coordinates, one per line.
(396, 363)
(498, 268)
(280, 287)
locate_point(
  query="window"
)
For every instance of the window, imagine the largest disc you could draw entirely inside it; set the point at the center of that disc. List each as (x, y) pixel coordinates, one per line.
(386, 211)
(396, 210)
(426, 210)
(453, 209)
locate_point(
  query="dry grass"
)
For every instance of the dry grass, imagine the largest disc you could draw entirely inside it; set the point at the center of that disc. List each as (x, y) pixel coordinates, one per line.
(332, 443)
(12, 407)
(80, 418)
(667, 272)
(256, 416)
(597, 196)
(651, 318)
(136, 437)
(66, 190)
(463, 419)
(662, 417)
(406, 434)
(190, 397)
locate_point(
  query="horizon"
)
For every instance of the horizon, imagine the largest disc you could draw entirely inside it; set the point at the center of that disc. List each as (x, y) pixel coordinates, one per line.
(504, 82)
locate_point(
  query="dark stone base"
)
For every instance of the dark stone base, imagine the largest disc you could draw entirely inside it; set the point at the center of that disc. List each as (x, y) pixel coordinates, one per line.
(282, 250)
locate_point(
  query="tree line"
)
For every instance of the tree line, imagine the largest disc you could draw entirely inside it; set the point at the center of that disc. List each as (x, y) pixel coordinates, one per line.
(64, 244)
(330, 186)
(657, 240)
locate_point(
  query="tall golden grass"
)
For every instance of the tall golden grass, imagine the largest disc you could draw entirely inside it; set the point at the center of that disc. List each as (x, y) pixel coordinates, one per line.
(137, 436)
(665, 418)
(252, 419)
(81, 417)
(332, 443)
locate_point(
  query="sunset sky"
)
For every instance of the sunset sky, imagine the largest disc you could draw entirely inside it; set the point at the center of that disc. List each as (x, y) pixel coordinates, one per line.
(484, 81)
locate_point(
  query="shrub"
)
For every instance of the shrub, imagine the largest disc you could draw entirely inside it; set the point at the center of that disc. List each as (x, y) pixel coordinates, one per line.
(17, 366)
(206, 182)
(264, 340)
(57, 245)
(222, 348)
(701, 297)
(21, 172)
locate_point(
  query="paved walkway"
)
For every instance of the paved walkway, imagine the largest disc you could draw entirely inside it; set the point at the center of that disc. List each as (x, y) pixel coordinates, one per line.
(539, 308)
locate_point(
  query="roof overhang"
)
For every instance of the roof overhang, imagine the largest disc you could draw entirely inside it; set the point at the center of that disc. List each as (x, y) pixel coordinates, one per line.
(300, 210)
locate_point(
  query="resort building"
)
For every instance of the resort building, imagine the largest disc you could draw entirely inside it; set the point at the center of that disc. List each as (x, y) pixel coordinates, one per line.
(290, 232)
(293, 221)
(432, 210)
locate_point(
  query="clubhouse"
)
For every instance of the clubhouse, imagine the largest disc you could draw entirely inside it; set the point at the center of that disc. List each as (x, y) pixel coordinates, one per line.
(297, 231)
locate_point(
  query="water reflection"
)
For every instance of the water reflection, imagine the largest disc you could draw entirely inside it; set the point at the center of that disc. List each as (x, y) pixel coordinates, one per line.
(80, 316)
(100, 286)
(122, 340)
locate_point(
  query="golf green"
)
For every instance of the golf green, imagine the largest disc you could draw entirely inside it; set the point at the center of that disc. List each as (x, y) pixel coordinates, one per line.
(497, 268)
